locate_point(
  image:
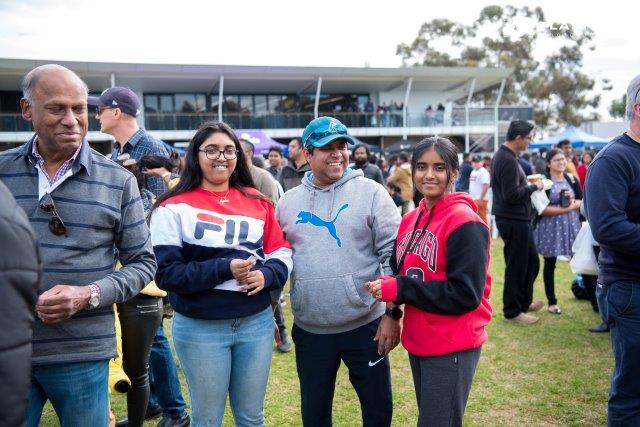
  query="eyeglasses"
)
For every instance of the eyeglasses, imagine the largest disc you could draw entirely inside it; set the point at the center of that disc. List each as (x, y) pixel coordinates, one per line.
(214, 153)
(56, 226)
(100, 110)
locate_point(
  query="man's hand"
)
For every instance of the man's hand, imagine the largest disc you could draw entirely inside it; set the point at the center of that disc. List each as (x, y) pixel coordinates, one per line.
(388, 335)
(254, 283)
(61, 302)
(240, 269)
(539, 184)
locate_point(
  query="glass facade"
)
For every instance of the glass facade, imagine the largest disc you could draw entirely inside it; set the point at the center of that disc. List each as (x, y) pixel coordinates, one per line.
(186, 111)
(253, 104)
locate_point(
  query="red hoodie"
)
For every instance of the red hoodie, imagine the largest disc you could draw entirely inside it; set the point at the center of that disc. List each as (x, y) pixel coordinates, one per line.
(444, 279)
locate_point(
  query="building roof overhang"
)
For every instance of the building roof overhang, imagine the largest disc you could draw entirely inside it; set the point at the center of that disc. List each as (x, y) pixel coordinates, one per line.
(251, 79)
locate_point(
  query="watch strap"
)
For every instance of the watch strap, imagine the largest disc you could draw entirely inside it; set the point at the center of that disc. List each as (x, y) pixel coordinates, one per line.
(395, 313)
(94, 298)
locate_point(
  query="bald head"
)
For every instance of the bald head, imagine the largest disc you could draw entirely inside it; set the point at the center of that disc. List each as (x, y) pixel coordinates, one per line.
(55, 102)
(55, 71)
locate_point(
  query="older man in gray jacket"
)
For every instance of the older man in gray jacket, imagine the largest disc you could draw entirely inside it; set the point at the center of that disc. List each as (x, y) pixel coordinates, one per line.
(83, 208)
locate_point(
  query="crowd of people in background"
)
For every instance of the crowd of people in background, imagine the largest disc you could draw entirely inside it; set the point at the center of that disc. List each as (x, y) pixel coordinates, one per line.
(211, 239)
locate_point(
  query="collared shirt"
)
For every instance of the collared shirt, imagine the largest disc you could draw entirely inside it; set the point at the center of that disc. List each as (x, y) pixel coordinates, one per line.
(64, 168)
(99, 204)
(139, 145)
(47, 184)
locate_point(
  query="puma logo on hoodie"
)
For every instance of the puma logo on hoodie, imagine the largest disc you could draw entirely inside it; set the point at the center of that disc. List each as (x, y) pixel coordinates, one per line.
(305, 217)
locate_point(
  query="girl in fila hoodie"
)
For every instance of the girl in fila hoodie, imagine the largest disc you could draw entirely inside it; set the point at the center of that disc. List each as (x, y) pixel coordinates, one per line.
(441, 267)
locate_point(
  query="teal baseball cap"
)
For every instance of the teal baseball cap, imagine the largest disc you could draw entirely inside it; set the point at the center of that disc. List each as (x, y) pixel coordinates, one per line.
(324, 130)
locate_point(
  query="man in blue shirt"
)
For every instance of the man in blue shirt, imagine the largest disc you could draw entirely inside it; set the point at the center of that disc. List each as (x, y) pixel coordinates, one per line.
(118, 108)
(612, 200)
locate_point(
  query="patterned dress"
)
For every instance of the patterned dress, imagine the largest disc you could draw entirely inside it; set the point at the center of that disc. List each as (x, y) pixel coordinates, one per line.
(554, 235)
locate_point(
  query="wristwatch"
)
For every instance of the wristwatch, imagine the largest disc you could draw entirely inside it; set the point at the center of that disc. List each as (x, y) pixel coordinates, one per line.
(395, 313)
(94, 298)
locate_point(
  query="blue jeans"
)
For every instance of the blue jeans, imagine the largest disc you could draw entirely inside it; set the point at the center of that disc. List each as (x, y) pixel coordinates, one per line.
(163, 378)
(220, 357)
(78, 392)
(619, 304)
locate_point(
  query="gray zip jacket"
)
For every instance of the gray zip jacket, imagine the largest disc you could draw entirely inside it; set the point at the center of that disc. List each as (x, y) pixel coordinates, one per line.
(342, 236)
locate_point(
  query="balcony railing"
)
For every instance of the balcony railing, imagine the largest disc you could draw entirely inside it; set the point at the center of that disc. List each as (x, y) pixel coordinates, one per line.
(13, 122)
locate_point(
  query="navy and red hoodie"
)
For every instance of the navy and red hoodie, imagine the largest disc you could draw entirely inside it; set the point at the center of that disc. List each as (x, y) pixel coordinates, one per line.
(195, 237)
(444, 278)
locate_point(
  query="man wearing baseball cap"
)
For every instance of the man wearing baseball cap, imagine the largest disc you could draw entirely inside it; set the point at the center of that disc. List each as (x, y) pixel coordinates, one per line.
(342, 227)
(118, 108)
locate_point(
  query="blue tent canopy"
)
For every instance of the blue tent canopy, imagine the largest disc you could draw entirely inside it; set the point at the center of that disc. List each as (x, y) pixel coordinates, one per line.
(578, 138)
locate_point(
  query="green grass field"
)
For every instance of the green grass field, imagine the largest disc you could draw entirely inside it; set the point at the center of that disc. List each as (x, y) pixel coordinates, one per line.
(551, 373)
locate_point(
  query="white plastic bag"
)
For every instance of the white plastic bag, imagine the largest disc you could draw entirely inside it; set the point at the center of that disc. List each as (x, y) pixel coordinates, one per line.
(584, 259)
(540, 200)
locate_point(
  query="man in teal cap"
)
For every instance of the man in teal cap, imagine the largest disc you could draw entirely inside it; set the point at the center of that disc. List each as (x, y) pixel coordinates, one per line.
(342, 227)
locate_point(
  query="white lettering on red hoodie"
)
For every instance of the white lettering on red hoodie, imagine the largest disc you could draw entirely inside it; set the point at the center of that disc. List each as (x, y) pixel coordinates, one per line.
(444, 278)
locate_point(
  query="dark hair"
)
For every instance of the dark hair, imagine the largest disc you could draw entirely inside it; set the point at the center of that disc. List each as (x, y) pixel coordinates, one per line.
(276, 149)
(550, 155)
(585, 153)
(404, 157)
(445, 149)
(562, 143)
(393, 186)
(136, 169)
(366, 149)
(154, 162)
(373, 159)
(299, 140)
(525, 156)
(518, 128)
(191, 176)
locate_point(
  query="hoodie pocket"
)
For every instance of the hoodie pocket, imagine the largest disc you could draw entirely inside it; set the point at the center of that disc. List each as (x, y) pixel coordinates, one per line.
(328, 301)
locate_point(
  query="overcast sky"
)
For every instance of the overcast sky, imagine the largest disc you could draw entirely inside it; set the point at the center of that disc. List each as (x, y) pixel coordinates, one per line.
(288, 32)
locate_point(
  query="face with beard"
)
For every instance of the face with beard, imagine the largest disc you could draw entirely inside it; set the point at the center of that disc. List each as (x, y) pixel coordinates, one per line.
(360, 156)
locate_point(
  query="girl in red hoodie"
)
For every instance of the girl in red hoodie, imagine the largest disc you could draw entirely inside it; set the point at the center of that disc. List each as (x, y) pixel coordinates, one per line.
(441, 262)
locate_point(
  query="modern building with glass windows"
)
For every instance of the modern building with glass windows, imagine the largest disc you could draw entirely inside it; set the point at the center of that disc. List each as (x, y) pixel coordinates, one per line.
(379, 105)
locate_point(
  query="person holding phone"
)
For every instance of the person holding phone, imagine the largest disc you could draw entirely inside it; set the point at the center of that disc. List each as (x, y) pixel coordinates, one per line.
(559, 223)
(220, 251)
(441, 267)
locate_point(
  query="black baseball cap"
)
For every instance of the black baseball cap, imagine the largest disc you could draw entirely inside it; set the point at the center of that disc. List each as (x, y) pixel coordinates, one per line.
(117, 97)
(476, 158)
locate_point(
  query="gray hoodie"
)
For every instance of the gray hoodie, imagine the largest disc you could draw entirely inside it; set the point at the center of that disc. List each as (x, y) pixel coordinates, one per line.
(342, 236)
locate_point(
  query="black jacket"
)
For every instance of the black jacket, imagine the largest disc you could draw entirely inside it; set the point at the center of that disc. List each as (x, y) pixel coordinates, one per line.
(20, 279)
(370, 171)
(291, 177)
(511, 193)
